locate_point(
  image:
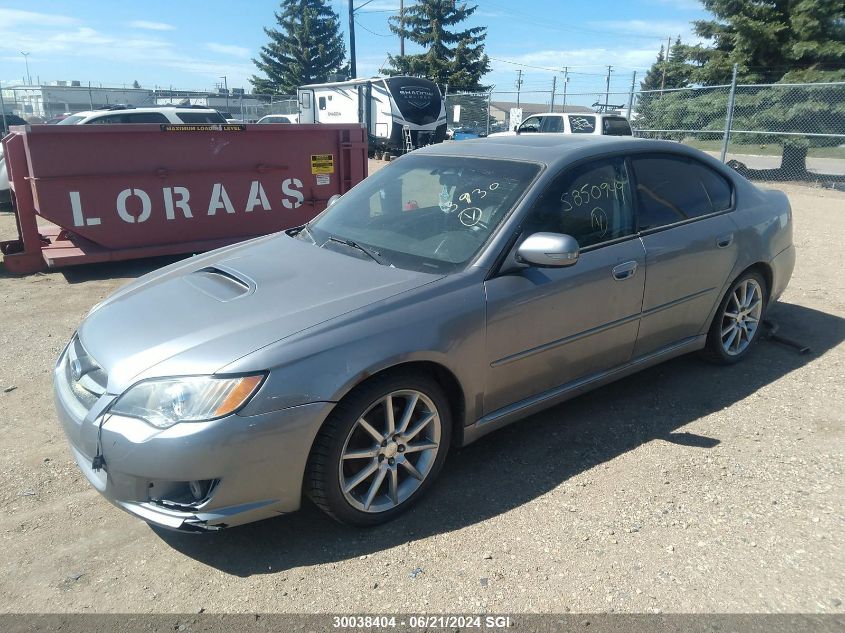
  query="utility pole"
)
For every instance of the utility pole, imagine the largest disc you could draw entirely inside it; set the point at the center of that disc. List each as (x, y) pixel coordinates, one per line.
(665, 63)
(607, 88)
(352, 69)
(554, 82)
(631, 94)
(565, 84)
(226, 88)
(518, 86)
(401, 28)
(26, 61)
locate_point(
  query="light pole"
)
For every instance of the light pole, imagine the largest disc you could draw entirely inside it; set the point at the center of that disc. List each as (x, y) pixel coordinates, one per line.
(226, 88)
(26, 61)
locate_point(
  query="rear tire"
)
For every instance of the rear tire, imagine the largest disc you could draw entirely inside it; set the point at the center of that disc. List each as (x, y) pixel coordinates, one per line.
(736, 325)
(380, 449)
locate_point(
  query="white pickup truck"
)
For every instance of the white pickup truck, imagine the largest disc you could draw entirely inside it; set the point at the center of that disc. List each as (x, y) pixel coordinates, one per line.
(572, 123)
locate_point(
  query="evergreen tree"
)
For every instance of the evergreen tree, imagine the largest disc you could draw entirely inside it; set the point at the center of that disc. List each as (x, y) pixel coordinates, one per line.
(135, 84)
(771, 41)
(677, 69)
(651, 81)
(767, 38)
(306, 48)
(452, 57)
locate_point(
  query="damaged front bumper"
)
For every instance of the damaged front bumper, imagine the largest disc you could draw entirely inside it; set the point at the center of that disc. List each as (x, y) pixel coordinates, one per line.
(246, 467)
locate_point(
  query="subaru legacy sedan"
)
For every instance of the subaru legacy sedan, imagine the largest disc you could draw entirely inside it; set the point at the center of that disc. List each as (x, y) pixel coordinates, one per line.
(458, 289)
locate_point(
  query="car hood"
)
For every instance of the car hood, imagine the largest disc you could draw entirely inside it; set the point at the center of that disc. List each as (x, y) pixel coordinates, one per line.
(197, 316)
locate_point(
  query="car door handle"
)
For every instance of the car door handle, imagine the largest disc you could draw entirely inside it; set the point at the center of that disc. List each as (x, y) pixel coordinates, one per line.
(724, 241)
(624, 271)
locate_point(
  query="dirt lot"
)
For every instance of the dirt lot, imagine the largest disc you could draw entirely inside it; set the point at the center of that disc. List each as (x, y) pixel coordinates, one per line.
(686, 488)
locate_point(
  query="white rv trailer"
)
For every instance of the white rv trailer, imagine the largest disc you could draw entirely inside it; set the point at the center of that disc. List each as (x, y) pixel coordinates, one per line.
(385, 105)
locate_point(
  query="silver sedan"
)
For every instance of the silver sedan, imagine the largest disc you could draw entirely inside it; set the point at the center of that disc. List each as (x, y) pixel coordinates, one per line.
(460, 288)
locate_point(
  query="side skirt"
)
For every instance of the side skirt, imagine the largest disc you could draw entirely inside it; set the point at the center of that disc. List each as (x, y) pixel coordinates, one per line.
(511, 413)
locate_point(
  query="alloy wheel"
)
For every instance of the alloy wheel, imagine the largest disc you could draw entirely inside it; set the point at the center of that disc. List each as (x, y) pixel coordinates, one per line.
(390, 451)
(741, 317)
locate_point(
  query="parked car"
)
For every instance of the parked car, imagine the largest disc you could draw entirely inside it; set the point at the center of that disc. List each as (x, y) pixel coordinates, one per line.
(347, 356)
(279, 118)
(572, 123)
(128, 114)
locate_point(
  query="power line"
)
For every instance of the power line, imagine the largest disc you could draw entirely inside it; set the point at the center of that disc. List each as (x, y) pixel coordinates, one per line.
(554, 70)
(371, 32)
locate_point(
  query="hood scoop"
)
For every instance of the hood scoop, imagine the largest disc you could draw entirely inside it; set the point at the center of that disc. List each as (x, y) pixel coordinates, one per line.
(220, 283)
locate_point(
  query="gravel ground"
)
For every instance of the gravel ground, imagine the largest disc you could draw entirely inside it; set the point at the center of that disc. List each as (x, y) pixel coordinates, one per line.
(686, 488)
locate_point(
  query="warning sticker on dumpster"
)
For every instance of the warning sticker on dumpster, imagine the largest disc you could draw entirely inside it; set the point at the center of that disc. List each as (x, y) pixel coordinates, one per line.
(204, 127)
(322, 163)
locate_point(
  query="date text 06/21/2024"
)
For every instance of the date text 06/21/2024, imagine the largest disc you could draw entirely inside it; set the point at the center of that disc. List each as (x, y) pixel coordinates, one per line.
(422, 621)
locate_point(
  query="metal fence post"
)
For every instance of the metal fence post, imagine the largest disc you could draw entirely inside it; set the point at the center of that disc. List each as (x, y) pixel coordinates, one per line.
(729, 116)
(631, 94)
(3, 110)
(489, 95)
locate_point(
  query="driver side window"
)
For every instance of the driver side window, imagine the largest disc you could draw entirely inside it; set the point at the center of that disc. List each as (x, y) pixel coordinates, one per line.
(531, 124)
(591, 202)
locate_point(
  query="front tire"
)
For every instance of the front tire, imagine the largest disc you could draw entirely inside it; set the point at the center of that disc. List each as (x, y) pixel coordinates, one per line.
(736, 325)
(381, 449)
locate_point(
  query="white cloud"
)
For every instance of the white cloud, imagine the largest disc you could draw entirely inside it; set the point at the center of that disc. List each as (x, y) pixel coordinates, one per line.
(228, 49)
(67, 37)
(644, 27)
(151, 26)
(578, 59)
(12, 17)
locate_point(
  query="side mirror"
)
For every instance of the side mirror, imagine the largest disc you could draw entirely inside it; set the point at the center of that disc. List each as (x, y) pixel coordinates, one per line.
(516, 129)
(548, 250)
(332, 200)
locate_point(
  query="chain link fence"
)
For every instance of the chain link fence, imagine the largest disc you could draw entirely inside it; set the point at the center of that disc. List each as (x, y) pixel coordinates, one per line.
(767, 132)
(39, 104)
(773, 132)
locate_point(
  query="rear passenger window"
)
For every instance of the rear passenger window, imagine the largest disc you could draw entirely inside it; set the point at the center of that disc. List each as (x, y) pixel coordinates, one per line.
(672, 189)
(108, 120)
(201, 117)
(146, 117)
(552, 124)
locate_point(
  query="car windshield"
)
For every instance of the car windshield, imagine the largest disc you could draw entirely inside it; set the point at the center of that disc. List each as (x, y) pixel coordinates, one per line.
(424, 212)
(71, 120)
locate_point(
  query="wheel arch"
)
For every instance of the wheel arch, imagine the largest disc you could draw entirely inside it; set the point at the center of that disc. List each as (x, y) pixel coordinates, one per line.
(444, 376)
(765, 270)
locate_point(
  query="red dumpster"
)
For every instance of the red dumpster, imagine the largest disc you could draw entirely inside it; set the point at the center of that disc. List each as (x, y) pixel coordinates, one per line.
(124, 191)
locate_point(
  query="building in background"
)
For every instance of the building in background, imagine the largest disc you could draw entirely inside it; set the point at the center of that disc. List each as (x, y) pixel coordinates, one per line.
(40, 103)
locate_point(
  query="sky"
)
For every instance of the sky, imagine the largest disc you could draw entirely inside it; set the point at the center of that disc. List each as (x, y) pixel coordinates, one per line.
(188, 44)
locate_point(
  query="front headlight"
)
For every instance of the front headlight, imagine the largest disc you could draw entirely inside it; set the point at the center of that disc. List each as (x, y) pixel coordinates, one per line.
(166, 401)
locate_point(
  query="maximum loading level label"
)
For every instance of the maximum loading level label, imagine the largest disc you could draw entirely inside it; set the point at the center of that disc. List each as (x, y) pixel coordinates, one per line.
(322, 163)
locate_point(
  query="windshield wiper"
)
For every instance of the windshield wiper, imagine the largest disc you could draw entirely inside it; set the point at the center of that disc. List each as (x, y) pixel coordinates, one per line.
(307, 232)
(373, 254)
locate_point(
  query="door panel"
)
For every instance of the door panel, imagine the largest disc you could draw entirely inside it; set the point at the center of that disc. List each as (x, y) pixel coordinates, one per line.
(548, 326)
(686, 273)
(690, 259)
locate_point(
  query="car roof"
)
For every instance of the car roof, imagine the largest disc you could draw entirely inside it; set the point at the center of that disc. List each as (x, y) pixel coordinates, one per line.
(598, 114)
(554, 149)
(87, 113)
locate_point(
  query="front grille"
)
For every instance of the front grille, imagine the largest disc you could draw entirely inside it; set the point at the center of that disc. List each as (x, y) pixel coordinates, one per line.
(86, 379)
